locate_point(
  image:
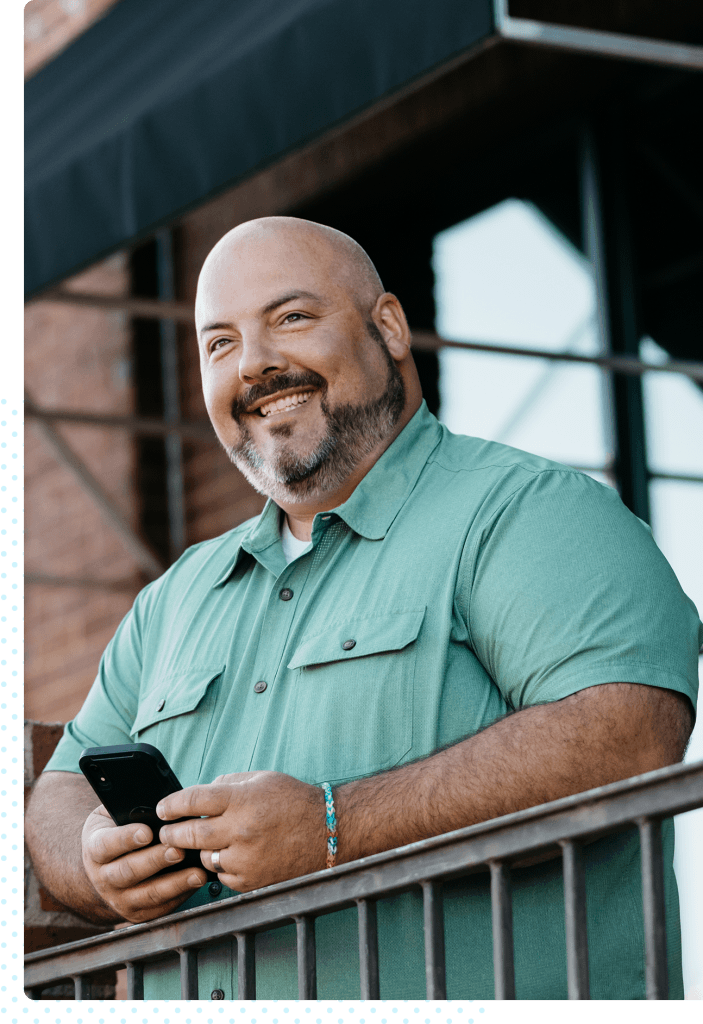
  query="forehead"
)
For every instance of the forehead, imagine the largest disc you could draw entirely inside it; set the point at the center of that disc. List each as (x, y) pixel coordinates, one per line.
(243, 278)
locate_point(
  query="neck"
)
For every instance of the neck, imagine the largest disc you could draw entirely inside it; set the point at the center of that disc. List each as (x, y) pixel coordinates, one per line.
(300, 515)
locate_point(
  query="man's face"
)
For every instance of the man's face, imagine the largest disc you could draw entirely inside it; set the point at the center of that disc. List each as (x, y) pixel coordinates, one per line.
(298, 382)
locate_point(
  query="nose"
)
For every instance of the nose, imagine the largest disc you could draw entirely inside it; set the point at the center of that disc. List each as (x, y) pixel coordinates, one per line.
(260, 358)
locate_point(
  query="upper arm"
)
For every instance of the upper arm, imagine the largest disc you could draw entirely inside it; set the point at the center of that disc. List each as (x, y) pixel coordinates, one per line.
(647, 727)
(567, 590)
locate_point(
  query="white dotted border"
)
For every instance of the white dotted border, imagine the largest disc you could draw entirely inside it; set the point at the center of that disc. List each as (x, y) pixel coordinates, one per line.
(258, 1012)
(11, 701)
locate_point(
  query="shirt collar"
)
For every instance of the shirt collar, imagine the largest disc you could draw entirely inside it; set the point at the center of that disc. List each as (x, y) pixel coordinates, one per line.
(379, 497)
(374, 504)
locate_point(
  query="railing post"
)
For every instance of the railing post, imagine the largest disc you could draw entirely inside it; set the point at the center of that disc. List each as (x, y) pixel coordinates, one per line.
(307, 965)
(435, 971)
(368, 949)
(81, 986)
(575, 920)
(502, 912)
(135, 979)
(654, 909)
(189, 972)
(246, 966)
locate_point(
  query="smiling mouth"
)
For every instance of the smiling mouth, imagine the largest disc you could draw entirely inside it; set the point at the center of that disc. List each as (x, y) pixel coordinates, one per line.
(284, 404)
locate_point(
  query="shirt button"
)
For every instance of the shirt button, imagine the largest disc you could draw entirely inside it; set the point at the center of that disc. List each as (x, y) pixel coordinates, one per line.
(348, 644)
(161, 705)
(260, 686)
(215, 888)
(217, 993)
(285, 594)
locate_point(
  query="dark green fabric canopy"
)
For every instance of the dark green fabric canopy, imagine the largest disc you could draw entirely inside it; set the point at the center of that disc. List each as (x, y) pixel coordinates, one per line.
(163, 103)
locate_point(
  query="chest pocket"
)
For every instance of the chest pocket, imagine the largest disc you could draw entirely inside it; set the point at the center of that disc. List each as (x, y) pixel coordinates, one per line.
(176, 717)
(353, 696)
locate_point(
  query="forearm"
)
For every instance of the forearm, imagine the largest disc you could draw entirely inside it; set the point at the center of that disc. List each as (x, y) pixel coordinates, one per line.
(57, 811)
(594, 737)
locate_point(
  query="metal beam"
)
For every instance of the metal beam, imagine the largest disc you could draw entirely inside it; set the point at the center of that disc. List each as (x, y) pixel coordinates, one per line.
(601, 44)
(175, 500)
(148, 426)
(138, 548)
(428, 340)
(607, 243)
(149, 309)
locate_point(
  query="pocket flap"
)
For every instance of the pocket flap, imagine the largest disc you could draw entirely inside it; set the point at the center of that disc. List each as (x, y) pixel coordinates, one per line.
(370, 636)
(179, 693)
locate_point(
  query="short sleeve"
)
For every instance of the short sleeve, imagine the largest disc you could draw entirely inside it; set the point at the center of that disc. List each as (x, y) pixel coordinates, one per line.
(565, 588)
(110, 708)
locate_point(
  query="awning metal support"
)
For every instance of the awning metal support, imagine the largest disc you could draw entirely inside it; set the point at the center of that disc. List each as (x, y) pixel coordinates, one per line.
(603, 44)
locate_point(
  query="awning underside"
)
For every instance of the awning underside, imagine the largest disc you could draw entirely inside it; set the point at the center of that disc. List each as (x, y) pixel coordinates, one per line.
(162, 104)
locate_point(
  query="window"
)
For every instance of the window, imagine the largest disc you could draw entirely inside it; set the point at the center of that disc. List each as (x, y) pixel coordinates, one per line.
(508, 277)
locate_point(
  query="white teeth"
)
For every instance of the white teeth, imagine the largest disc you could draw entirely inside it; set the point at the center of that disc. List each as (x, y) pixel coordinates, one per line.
(280, 404)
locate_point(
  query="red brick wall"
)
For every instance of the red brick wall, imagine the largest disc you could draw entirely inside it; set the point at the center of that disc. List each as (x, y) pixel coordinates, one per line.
(76, 358)
(79, 358)
(50, 25)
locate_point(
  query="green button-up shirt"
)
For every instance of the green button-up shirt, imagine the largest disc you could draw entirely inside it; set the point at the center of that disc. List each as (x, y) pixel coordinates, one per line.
(473, 579)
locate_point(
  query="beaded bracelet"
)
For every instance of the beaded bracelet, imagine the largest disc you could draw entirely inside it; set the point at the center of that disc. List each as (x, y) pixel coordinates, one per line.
(331, 826)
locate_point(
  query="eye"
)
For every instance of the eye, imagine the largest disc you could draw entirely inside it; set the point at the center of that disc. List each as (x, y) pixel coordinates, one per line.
(217, 343)
(298, 316)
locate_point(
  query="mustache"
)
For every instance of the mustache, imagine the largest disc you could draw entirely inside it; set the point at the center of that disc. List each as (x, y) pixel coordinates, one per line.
(283, 382)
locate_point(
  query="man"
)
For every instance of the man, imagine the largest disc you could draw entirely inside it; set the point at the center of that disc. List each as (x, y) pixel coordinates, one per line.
(496, 629)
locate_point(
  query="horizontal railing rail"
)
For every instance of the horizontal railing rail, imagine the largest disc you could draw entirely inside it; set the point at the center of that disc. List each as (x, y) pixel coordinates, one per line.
(560, 827)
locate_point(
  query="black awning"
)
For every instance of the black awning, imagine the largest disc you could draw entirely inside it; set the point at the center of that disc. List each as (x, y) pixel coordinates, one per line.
(163, 103)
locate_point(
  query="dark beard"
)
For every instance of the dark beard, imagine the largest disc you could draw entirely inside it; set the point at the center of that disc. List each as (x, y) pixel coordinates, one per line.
(353, 432)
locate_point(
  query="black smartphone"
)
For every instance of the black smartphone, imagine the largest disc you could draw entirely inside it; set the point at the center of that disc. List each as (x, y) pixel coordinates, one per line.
(130, 779)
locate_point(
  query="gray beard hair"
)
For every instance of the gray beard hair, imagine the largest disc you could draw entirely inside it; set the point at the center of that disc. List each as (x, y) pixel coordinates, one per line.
(353, 432)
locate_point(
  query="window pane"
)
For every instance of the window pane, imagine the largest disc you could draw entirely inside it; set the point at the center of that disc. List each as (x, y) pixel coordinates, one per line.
(677, 516)
(507, 276)
(674, 418)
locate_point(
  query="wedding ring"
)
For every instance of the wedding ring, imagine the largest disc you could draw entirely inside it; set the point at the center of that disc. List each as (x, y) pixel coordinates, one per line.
(215, 858)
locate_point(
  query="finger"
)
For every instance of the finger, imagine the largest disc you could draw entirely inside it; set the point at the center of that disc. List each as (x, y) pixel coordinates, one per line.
(194, 801)
(196, 834)
(134, 868)
(161, 895)
(104, 843)
(206, 858)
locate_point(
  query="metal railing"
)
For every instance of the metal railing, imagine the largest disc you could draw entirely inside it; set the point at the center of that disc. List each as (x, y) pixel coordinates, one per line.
(561, 827)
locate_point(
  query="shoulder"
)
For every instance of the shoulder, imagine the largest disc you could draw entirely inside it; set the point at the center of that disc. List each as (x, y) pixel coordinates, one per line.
(497, 476)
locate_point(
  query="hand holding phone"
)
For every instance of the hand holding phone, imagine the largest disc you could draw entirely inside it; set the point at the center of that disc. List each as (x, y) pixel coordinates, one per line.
(130, 779)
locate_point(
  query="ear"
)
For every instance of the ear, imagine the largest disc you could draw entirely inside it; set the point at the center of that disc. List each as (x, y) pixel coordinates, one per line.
(390, 319)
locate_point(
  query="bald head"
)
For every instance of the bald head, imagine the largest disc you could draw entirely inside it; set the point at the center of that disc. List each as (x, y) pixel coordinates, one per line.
(276, 242)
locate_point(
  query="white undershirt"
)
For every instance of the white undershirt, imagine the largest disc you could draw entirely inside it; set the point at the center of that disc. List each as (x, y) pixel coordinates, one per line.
(292, 547)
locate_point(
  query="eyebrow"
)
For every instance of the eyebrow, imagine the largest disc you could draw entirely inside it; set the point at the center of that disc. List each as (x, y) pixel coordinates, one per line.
(223, 325)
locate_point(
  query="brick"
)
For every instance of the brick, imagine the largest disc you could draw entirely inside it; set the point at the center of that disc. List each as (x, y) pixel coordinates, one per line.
(38, 937)
(44, 739)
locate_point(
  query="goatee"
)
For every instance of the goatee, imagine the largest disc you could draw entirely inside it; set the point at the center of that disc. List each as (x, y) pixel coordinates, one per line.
(352, 433)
